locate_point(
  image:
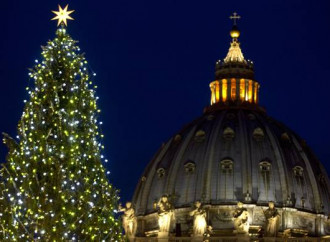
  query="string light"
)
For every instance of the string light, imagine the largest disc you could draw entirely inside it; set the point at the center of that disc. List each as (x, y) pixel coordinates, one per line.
(54, 184)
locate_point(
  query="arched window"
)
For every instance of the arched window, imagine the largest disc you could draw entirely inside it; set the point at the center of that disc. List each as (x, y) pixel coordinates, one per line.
(187, 182)
(264, 166)
(213, 92)
(251, 116)
(250, 90)
(242, 89)
(200, 135)
(256, 86)
(258, 134)
(233, 89)
(177, 138)
(210, 117)
(190, 167)
(285, 137)
(230, 116)
(226, 165)
(161, 172)
(224, 87)
(298, 171)
(228, 133)
(225, 179)
(265, 191)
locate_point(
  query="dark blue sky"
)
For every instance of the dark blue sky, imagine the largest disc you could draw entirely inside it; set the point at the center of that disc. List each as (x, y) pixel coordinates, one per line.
(155, 59)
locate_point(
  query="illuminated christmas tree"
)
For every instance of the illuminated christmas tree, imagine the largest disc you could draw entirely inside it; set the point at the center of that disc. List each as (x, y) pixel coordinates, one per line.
(53, 185)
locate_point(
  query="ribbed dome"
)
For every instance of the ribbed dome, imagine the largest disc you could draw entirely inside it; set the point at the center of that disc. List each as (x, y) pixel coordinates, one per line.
(227, 155)
(235, 153)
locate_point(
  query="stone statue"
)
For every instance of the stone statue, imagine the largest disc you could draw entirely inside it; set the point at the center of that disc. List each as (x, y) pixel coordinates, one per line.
(241, 219)
(272, 220)
(199, 215)
(129, 219)
(165, 213)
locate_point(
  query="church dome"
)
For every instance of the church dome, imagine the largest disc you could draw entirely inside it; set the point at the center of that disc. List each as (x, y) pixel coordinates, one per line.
(233, 153)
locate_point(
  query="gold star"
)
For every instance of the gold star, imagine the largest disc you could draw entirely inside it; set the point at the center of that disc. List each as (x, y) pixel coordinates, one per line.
(62, 15)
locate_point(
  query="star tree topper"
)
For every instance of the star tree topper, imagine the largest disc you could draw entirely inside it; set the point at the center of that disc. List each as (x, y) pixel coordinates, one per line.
(62, 15)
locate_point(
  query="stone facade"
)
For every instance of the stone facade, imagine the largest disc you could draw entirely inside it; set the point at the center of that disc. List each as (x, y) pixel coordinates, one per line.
(293, 224)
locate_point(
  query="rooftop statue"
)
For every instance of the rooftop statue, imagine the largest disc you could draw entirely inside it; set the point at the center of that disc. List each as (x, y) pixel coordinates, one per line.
(199, 215)
(241, 219)
(165, 214)
(129, 219)
(272, 220)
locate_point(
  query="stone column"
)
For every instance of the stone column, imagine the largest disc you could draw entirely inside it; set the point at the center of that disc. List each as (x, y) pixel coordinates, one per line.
(319, 224)
(198, 238)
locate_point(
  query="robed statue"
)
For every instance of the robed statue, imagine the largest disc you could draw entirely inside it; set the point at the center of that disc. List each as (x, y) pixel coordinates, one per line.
(272, 220)
(129, 219)
(241, 219)
(199, 215)
(165, 214)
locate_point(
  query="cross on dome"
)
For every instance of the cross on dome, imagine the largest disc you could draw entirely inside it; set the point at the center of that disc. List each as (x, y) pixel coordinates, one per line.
(235, 17)
(235, 53)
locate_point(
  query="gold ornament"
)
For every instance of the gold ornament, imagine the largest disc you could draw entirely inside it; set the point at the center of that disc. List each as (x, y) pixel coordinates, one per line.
(62, 15)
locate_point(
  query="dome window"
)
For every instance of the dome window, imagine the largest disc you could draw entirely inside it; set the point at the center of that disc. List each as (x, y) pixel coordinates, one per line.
(224, 85)
(251, 116)
(177, 138)
(233, 89)
(161, 172)
(264, 166)
(322, 179)
(190, 167)
(230, 116)
(298, 171)
(200, 136)
(285, 137)
(226, 165)
(258, 134)
(210, 117)
(228, 133)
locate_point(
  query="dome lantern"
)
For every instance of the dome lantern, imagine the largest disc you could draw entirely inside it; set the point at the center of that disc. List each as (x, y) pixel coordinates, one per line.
(234, 76)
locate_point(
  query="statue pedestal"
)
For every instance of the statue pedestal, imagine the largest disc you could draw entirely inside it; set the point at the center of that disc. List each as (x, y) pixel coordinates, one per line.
(131, 238)
(162, 236)
(162, 239)
(197, 238)
(243, 237)
(270, 239)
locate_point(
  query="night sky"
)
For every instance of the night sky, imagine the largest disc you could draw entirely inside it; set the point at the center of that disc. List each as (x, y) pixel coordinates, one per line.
(155, 59)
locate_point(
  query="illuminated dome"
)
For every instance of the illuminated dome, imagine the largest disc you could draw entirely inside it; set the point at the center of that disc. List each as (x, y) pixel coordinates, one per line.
(236, 152)
(225, 154)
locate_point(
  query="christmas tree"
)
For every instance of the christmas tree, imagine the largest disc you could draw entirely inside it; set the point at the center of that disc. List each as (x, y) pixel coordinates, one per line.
(53, 185)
